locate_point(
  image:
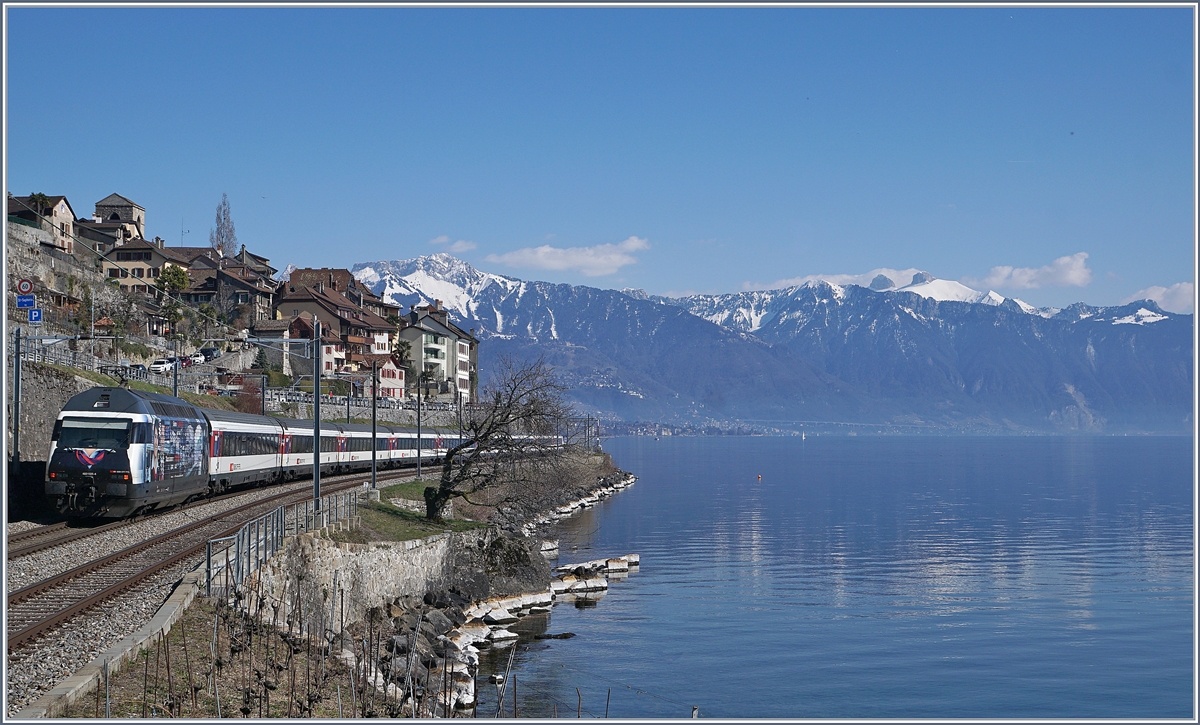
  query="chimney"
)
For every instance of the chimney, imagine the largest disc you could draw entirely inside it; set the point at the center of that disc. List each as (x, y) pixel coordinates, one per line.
(320, 286)
(332, 282)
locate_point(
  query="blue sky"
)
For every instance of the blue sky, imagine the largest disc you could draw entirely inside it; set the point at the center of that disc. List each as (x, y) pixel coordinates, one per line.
(677, 150)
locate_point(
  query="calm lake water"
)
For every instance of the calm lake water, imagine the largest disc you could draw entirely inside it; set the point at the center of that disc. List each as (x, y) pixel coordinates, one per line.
(879, 577)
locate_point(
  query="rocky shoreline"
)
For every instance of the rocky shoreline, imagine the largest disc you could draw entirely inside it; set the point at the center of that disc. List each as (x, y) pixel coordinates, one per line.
(437, 639)
(608, 486)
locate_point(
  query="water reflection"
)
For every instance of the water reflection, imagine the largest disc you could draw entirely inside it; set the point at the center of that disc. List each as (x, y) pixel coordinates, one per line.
(885, 578)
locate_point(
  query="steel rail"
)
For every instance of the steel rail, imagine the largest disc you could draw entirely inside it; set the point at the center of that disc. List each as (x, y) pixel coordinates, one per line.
(36, 533)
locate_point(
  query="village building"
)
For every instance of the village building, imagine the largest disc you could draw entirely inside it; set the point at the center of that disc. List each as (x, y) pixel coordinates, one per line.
(447, 356)
(358, 332)
(342, 281)
(137, 264)
(238, 290)
(115, 222)
(51, 214)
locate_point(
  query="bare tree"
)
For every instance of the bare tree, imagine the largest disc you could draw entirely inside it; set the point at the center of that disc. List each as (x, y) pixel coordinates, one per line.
(506, 437)
(223, 238)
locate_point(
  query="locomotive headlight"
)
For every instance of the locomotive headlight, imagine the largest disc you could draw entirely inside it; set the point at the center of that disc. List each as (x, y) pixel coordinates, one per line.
(53, 474)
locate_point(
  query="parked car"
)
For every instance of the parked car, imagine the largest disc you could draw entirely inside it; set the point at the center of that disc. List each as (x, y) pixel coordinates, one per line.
(161, 365)
(185, 362)
(210, 353)
(138, 368)
(198, 358)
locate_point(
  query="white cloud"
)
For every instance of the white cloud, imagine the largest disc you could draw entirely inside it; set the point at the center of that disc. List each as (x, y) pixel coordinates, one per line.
(594, 261)
(1179, 297)
(1069, 271)
(461, 245)
(899, 278)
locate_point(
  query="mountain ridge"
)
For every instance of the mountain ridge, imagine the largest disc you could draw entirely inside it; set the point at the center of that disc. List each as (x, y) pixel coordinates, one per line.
(825, 351)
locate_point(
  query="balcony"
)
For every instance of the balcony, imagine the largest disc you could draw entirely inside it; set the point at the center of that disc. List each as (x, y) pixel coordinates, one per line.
(355, 340)
(434, 354)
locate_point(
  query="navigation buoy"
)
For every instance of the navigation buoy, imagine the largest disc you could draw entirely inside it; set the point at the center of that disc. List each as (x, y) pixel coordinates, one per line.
(760, 476)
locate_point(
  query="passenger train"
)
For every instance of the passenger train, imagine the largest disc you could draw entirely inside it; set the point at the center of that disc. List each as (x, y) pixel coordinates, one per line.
(117, 452)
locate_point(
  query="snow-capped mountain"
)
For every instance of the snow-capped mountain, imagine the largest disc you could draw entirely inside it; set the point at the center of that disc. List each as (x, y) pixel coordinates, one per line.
(931, 350)
(443, 277)
(632, 358)
(750, 311)
(285, 274)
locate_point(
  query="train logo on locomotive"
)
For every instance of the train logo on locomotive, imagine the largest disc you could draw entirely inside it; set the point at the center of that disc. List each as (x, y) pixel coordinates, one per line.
(89, 456)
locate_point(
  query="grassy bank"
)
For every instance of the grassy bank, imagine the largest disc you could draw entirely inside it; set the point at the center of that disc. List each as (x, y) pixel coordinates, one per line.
(204, 401)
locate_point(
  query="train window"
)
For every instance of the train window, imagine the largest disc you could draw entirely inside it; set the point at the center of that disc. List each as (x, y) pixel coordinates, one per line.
(106, 433)
(142, 433)
(381, 444)
(302, 444)
(249, 444)
(329, 444)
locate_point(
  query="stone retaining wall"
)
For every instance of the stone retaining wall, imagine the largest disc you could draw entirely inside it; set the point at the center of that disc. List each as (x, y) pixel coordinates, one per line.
(44, 391)
(369, 574)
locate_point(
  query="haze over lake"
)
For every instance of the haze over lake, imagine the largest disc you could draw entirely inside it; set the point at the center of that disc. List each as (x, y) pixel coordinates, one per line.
(881, 577)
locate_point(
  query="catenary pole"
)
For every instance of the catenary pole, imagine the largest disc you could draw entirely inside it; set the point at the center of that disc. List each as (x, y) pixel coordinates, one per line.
(175, 379)
(16, 456)
(418, 427)
(264, 395)
(92, 341)
(317, 418)
(374, 434)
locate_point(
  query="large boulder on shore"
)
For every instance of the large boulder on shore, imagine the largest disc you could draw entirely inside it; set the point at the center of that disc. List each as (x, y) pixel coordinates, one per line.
(490, 564)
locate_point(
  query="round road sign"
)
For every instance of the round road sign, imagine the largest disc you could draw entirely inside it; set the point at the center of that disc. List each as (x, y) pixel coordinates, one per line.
(24, 286)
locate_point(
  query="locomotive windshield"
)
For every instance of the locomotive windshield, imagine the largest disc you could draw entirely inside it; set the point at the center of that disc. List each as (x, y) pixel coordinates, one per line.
(108, 433)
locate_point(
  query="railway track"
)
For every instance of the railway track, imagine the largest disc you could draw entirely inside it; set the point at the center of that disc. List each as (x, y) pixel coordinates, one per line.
(40, 607)
(35, 540)
(37, 534)
(32, 541)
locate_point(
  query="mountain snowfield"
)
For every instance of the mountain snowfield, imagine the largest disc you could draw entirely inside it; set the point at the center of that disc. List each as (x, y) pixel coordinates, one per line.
(905, 347)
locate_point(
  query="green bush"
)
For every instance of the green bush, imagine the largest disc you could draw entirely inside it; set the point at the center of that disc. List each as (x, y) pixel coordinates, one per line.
(135, 348)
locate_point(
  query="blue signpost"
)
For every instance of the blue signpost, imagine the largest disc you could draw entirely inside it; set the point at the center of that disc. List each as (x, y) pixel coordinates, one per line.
(26, 302)
(35, 316)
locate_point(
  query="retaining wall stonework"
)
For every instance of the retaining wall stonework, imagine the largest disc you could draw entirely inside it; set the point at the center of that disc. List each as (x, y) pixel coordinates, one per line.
(370, 575)
(44, 391)
(479, 563)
